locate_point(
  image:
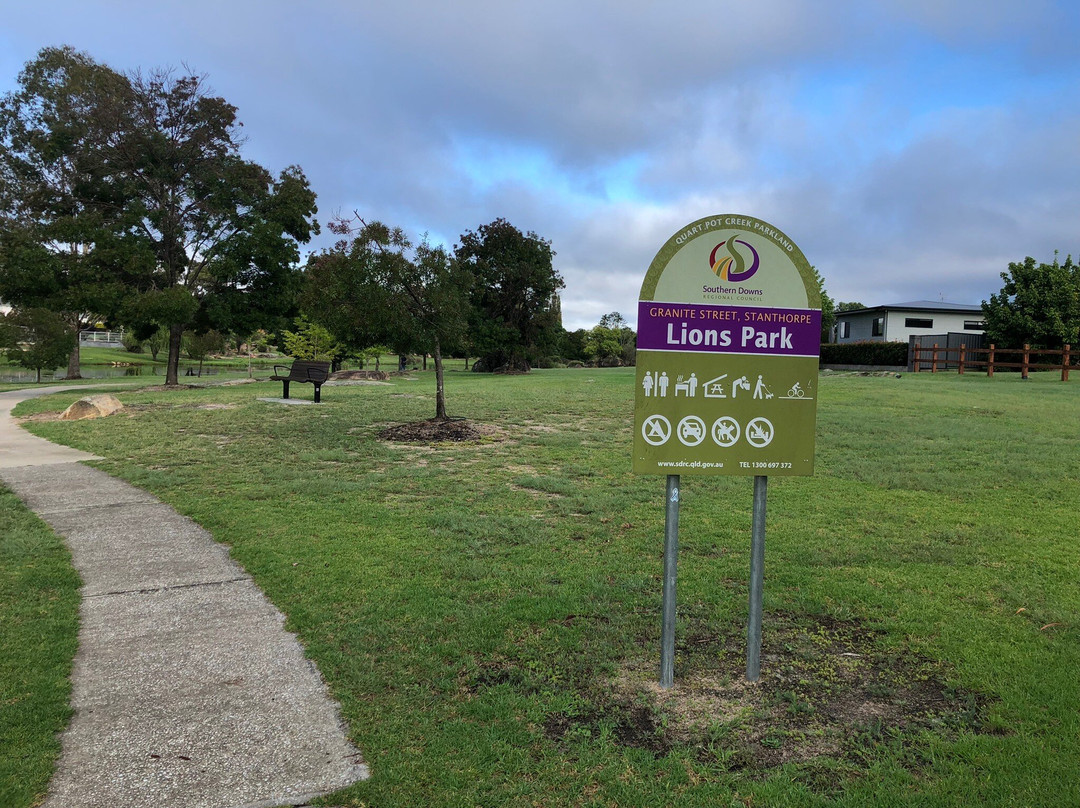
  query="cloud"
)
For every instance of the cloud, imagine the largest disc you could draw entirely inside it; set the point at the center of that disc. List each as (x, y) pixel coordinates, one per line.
(911, 148)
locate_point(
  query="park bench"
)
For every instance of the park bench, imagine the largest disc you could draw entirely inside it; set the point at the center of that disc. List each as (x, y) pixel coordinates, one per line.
(302, 370)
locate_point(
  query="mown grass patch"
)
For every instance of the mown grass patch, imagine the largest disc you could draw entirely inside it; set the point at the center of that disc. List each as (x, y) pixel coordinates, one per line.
(488, 611)
(38, 624)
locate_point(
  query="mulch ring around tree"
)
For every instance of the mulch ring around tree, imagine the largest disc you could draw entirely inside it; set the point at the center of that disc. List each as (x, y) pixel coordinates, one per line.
(440, 430)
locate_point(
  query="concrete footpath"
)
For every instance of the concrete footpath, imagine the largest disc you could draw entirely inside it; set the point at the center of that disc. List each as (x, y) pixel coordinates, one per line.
(187, 690)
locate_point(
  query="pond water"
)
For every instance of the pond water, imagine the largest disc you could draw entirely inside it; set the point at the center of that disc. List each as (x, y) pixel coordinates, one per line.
(16, 374)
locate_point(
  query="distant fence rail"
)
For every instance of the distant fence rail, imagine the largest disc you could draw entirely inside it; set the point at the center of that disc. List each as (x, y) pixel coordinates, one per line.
(991, 358)
(113, 337)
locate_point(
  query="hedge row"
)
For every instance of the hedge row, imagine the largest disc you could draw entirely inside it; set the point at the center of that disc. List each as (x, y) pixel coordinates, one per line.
(890, 354)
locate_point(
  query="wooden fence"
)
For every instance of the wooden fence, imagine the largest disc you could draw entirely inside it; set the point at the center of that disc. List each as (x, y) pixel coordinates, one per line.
(965, 358)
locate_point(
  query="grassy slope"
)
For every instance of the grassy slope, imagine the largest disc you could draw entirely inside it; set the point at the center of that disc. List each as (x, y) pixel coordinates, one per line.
(457, 598)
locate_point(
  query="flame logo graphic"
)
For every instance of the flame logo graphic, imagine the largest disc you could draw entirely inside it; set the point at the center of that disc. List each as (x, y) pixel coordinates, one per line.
(732, 267)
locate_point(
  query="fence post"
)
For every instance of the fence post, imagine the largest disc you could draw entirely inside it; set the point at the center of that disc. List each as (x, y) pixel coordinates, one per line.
(1026, 362)
(915, 363)
(1065, 359)
(960, 367)
(990, 362)
(933, 360)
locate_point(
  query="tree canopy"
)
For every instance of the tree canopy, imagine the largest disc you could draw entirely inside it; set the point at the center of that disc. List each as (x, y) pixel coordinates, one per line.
(1038, 305)
(515, 308)
(141, 179)
(59, 246)
(37, 339)
(378, 287)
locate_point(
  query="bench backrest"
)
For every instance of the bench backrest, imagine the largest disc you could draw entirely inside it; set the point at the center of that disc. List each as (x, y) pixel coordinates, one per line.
(307, 370)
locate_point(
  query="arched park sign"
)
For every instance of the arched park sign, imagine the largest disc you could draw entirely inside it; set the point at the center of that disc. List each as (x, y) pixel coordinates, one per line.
(729, 327)
(729, 333)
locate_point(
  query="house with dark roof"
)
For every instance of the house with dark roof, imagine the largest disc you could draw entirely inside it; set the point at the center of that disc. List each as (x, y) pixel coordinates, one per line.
(900, 321)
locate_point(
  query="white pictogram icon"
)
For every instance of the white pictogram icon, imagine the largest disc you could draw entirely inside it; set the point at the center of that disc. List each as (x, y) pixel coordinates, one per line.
(662, 384)
(759, 432)
(691, 430)
(687, 386)
(725, 431)
(741, 382)
(656, 430)
(797, 391)
(714, 388)
(760, 390)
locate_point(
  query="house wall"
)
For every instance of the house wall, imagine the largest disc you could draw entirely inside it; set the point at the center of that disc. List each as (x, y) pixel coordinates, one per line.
(895, 328)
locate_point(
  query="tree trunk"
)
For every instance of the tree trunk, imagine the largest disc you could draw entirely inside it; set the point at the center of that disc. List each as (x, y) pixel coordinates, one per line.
(73, 369)
(425, 361)
(440, 393)
(172, 369)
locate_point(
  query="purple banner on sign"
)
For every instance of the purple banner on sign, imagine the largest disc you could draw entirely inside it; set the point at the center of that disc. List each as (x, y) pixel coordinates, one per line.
(728, 329)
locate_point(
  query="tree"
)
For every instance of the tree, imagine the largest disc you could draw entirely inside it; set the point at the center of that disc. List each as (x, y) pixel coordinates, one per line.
(1038, 305)
(842, 307)
(127, 196)
(515, 295)
(828, 309)
(381, 286)
(36, 339)
(198, 346)
(310, 341)
(221, 234)
(58, 239)
(611, 342)
(156, 341)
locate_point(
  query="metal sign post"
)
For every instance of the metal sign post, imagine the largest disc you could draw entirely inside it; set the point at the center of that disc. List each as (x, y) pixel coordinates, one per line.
(728, 338)
(671, 555)
(757, 581)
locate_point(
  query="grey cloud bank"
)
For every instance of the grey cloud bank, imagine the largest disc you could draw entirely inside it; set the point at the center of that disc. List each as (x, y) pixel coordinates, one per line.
(911, 149)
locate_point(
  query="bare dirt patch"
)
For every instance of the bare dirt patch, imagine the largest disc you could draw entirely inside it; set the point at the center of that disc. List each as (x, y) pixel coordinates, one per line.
(450, 430)
(831, 700)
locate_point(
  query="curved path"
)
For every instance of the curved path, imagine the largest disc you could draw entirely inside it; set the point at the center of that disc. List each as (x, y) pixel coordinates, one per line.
(186, 689)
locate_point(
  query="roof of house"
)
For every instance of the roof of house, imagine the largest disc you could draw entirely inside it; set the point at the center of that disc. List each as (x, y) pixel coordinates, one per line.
(921, 305)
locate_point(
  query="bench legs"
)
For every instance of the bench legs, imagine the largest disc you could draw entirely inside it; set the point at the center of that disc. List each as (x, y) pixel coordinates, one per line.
(285, 391)
(318, 389)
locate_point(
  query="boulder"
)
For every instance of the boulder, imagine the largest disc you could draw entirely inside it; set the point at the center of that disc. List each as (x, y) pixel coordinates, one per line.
(92, 407)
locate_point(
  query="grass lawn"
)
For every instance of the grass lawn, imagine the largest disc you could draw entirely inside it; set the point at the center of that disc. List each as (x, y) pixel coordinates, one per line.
(488, 614)
(39, 602)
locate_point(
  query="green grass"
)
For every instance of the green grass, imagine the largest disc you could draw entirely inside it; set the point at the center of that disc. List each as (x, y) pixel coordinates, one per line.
(478, 609)
(38, 622)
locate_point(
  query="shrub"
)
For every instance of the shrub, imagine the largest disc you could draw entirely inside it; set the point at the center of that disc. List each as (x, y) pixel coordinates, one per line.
(890, 354)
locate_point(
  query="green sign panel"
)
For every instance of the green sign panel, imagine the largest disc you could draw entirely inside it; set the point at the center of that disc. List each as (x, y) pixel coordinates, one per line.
(729, 325)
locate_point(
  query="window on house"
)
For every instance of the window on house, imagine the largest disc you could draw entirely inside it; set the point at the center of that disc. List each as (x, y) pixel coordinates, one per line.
(845, 329)
(974, 325)
(918, 322)
(879, 327)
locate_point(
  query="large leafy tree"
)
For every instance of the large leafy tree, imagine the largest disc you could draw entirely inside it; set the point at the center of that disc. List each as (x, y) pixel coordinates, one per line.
(59, 244)
(1038, 304)
(223, 233)
(376, 286)
(137, 182)
(515, 311)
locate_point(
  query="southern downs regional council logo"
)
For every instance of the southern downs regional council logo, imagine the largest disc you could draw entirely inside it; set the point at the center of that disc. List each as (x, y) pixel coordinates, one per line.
(731, 267)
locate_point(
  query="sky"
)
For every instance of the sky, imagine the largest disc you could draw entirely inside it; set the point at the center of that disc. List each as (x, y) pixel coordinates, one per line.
(910, 148)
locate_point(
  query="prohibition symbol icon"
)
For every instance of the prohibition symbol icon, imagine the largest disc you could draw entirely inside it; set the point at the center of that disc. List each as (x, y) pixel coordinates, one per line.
(656, 429)
(725, 431)
(691, 430)
(759, 433)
